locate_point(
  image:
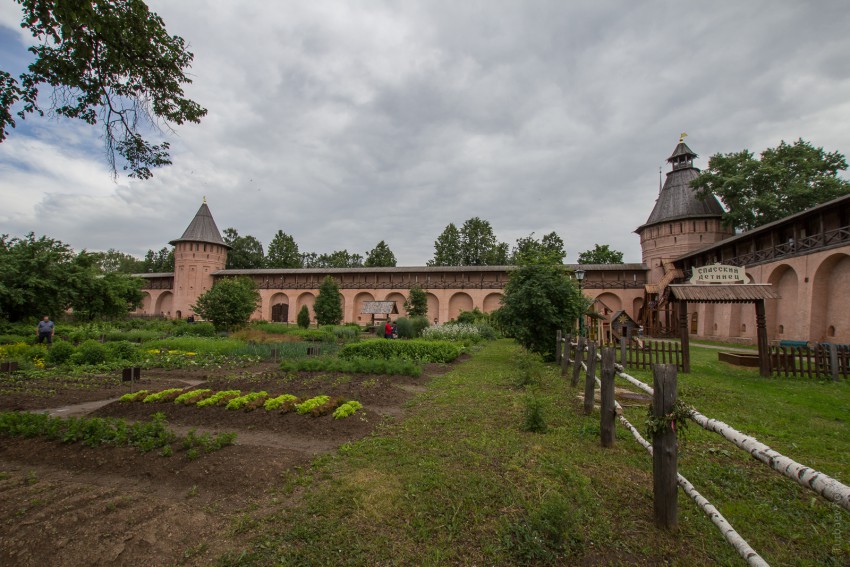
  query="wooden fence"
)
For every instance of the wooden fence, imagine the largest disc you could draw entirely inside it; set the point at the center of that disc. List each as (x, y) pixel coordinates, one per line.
(822, 360)
(663, 445)
(636, 354)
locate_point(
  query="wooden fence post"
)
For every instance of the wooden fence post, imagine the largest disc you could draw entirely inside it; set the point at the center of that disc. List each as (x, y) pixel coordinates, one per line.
(565, 357)
(590, 378)
(607, 413)
(577, 364)
(623, 351)
(833, 361)
(558, 347)
(664, 449)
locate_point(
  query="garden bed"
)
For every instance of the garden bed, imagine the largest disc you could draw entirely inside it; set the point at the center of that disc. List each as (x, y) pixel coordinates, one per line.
(108, 505)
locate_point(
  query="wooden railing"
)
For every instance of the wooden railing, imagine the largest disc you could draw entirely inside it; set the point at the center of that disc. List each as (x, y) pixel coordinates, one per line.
(663, 445)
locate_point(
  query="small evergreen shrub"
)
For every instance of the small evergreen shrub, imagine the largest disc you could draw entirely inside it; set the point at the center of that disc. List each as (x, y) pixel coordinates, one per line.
(303, 317)
(534, 421)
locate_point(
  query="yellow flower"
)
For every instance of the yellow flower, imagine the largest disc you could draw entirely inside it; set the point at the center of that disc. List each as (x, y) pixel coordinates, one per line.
(190, 353)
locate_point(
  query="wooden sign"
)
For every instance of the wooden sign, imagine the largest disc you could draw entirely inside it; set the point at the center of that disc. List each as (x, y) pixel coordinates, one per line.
(718, 273)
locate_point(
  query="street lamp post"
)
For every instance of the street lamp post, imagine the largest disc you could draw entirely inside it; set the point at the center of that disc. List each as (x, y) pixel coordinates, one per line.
(579, 273)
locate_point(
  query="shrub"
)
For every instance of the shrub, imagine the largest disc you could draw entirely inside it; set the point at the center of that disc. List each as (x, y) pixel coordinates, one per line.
(122, 350)
(60, 352)
(419, 325)
(405, 328)
(229, 303)
(304, 317)
(327, 307)
(416, 350)
(90, 352)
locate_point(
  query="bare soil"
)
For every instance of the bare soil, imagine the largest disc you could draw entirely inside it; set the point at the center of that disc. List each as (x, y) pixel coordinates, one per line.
(75, 505)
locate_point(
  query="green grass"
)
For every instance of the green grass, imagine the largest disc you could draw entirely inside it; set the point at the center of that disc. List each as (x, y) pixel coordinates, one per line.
(460, 482)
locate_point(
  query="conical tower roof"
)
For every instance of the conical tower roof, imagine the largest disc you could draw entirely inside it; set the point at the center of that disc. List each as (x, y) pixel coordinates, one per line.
(677, 199)
(202, 229)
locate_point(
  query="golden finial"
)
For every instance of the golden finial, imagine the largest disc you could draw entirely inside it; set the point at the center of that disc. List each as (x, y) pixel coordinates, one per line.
(682, 137)
(205, 197)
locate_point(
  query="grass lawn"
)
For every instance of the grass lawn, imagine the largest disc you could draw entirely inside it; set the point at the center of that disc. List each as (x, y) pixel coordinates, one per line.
(459, 481)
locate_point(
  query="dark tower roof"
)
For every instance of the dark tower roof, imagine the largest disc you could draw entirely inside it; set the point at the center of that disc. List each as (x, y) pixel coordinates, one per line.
(677, 199)
(202, 229)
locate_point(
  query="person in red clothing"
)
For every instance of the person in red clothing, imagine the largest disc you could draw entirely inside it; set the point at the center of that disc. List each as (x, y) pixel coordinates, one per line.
(388, 330)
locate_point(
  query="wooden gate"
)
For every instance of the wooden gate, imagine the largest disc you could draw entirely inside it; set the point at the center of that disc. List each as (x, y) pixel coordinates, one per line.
(280, 313)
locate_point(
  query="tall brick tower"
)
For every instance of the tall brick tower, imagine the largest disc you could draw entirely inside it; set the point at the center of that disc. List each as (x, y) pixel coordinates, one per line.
(197, 254)
(679, 222)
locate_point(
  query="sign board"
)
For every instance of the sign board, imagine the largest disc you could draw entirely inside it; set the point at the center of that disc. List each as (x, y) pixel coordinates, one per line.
(718, 273)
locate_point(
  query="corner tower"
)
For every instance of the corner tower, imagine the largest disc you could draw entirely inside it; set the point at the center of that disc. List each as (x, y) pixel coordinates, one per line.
(197, 254)
(680, 221)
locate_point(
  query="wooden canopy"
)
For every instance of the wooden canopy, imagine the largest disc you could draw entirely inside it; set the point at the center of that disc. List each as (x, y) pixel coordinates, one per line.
(725, 293)
(722, 293)
(379, 308)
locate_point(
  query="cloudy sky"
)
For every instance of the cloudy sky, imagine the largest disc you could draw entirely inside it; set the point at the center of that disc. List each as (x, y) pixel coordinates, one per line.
(345, 123)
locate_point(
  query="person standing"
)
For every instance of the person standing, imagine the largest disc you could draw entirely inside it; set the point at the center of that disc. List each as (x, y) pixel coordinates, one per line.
(45, 330)
(388, 330)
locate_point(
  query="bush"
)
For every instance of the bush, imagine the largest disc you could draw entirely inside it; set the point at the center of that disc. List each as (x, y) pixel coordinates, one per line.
(200, 329)
(59, 353)
(304, 317)
(405, 328)
(90, 352)
(122, 350)
(229, 303)
(419, 325)
(417, 350)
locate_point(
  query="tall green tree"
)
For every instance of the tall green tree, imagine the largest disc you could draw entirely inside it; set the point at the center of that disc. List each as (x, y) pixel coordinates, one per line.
(600, 254)
(447, 248)
(246, 252)
(116, 261)
(43, 276)
(380, 257)
(336, 259)
(229, 303)
(94, 295)
(529, 250)
(328, 306)
(107, 61)
(786, 180)
(416, 303)
(283, 252)
(539, 299)
(479, 246)
(158, 262)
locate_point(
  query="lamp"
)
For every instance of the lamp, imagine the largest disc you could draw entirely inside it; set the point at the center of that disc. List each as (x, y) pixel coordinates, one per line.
(579, 274)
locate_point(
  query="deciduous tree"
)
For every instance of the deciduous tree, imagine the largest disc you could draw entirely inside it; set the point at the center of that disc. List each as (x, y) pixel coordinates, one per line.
(246, 252)
(229, 303)
(786, 180)
(447, 248)
(600, 254)
(539, 299)
(283, 252)
(380, 257)
(158, 262)
(548, 250)
(108, 61)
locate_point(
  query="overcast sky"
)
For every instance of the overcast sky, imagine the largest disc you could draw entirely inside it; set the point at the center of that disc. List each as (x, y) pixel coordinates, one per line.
(345, 123)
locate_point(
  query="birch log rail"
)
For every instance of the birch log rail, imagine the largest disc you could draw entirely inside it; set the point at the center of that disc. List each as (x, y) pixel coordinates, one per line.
(734, 539)
(824, 485)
